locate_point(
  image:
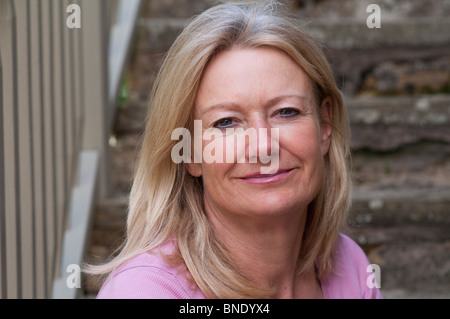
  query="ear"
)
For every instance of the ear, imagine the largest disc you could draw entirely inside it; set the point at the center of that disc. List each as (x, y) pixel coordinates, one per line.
(195, 169)
(326, 116)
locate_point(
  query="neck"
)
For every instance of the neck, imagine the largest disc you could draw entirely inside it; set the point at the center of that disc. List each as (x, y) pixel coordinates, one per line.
(266, 249)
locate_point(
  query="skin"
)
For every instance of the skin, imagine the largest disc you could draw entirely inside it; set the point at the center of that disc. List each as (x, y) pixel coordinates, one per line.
(261, 219)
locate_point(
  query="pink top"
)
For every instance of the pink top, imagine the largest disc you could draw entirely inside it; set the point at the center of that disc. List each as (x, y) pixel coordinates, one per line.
(149, 276)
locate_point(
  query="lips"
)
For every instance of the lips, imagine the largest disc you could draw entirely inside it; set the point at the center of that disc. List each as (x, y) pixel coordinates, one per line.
(266, 178)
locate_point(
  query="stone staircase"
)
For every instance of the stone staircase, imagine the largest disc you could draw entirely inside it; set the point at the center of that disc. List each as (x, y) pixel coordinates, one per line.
(396, 81)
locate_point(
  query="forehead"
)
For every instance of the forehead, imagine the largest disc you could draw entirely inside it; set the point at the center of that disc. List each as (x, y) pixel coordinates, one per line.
(252, 75)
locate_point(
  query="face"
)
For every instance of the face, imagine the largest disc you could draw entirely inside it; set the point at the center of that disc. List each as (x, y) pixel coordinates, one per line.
(260, 88)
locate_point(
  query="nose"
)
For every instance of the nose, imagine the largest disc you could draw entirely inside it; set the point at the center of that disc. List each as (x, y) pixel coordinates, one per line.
(264, 147)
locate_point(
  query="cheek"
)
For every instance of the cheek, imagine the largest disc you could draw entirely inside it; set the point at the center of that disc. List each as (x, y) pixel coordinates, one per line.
(216, 183)
(215, 172)
(215, 165)
(302, 141)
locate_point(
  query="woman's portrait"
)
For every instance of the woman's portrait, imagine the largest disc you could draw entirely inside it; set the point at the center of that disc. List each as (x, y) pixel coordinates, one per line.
(225, 228)
(224, 150)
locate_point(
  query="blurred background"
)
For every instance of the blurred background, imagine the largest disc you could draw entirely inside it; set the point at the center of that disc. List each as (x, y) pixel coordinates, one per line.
(73, 111)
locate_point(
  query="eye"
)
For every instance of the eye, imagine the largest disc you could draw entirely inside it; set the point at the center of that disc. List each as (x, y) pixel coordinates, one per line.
(223, 123)
(288, 112)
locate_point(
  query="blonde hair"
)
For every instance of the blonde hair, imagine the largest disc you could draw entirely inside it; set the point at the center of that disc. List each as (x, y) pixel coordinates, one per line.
(167, 202)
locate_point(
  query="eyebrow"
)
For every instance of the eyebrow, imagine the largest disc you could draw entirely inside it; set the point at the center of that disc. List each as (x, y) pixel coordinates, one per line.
(270, 102)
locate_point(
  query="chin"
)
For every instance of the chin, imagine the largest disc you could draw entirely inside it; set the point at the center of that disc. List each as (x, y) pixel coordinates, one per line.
(276, 205)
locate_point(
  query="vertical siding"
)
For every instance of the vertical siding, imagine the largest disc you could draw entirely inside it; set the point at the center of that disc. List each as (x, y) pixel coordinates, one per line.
(24, 159)
(59, 124)
(48, 137)
(38, 168)
(54, 108)
(38, 120)
(3, 273)
(11, 262)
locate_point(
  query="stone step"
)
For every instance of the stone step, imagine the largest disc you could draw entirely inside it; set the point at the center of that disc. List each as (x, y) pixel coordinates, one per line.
(130, 119)
(357, 9)
(346, 33)
(437, 293)
(109, 225)
(410, 55)
(401, 206)
(353, 33)
(407, 233)
(414, 260)
(107, 235)
(386, 123)
(325, 9)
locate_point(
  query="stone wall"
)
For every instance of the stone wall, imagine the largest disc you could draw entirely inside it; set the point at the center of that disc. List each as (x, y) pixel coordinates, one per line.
(396, 85)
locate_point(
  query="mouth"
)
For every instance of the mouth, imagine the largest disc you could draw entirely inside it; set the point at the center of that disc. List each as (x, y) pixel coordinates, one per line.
(259, 178)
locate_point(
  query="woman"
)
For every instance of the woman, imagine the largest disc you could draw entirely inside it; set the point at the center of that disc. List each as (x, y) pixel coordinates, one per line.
(226, 229)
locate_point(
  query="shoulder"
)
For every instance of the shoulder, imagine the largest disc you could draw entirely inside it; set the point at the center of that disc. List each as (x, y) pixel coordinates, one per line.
(148, 276)
(345, 246)
(350, 274)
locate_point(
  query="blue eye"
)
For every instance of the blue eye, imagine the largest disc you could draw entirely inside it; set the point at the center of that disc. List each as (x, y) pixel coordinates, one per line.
(288, 112)
(223, 123)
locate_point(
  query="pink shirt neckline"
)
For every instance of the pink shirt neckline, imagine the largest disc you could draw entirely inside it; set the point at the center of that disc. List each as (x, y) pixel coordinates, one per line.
(149, 276)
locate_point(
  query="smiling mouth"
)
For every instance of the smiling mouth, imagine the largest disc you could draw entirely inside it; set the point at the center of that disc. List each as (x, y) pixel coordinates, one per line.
(267, 178)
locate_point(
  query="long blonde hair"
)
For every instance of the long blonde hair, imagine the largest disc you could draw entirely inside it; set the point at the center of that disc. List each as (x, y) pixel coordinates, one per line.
(167, 202)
